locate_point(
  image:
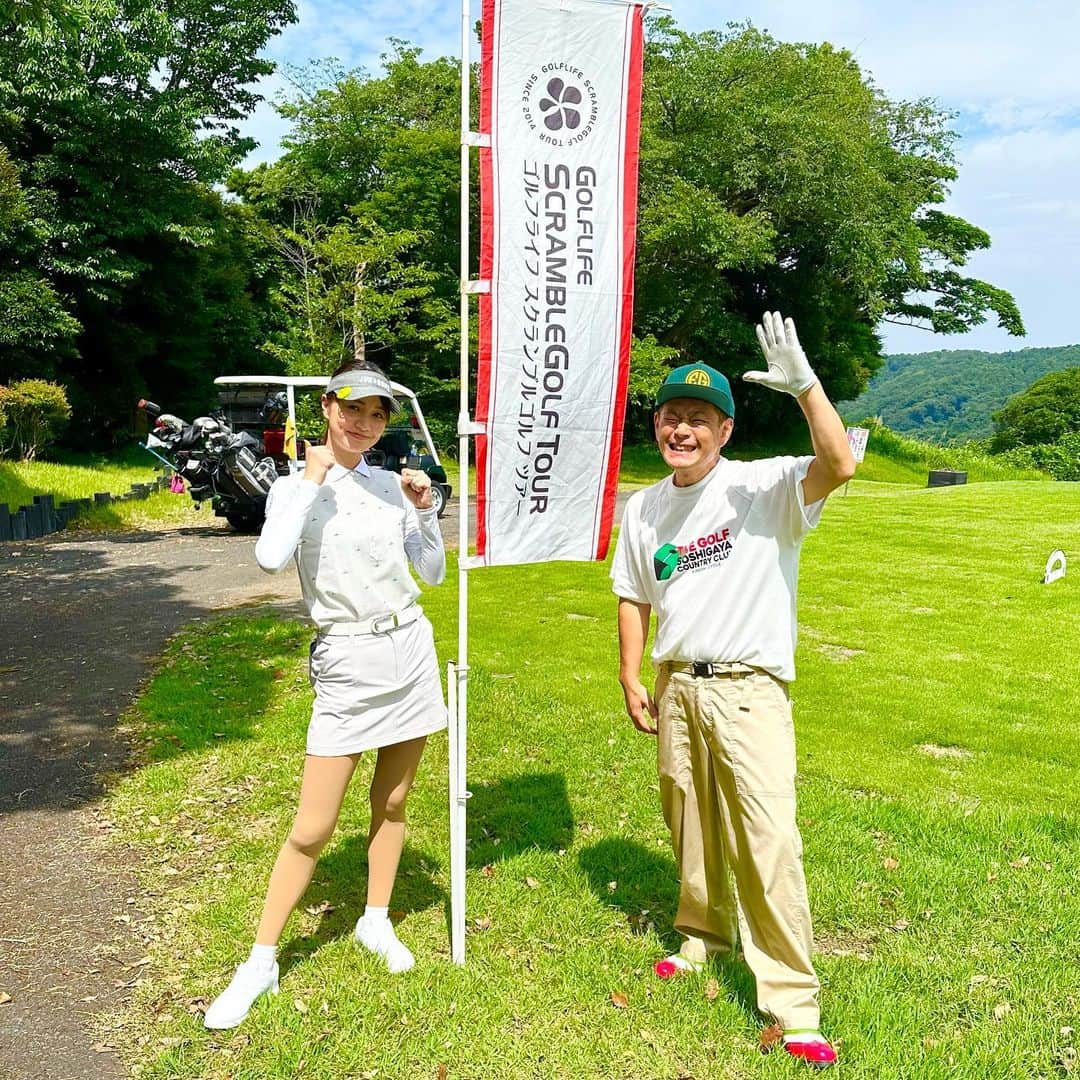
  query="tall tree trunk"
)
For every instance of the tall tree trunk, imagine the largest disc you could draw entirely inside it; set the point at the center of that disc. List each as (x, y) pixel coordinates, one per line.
(358, 329)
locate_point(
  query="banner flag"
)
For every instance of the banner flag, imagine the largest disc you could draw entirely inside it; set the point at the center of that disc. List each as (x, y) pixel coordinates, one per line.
(560, 98)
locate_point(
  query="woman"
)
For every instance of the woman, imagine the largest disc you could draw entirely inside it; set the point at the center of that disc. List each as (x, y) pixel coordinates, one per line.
(373, 665)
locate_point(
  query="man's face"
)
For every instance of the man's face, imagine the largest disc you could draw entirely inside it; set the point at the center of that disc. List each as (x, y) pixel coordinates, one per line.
(690, 434)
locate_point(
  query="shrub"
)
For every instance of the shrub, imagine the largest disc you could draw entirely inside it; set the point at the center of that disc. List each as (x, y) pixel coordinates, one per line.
(34, 413)
(1060, 459)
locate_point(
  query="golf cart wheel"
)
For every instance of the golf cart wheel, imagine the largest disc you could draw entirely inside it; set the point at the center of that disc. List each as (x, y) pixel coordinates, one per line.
(245, 523)
(438, 499)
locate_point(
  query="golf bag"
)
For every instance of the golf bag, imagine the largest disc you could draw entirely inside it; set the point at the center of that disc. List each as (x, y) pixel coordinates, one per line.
(222, 467)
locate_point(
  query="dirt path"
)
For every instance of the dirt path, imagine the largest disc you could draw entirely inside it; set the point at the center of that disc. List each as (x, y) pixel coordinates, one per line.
(84, 617)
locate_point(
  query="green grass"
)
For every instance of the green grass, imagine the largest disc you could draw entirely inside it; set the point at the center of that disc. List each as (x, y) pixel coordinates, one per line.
(73, 477)
(80, 476)
(890, 459)
(936, 715)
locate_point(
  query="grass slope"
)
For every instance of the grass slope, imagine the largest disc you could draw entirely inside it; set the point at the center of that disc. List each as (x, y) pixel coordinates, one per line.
(935, 709)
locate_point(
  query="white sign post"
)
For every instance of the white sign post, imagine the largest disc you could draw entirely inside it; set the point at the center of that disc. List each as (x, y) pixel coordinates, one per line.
(560, 111)
(857, 438)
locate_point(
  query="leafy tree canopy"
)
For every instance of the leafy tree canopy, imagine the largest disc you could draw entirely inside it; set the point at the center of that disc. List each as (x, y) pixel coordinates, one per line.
(117, 115)
(773, 175)
(1047, 411)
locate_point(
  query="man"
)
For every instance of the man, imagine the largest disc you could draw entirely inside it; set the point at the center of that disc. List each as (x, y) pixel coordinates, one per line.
(714, 550)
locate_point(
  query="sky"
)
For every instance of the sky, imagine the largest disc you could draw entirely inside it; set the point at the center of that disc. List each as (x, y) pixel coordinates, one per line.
(1008, 70)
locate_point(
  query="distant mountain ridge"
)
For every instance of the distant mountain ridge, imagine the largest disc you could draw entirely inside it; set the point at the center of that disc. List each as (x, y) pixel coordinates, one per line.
(948, 396)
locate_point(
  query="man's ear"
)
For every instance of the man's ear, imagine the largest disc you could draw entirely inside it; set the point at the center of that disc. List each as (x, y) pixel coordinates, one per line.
(727, 426)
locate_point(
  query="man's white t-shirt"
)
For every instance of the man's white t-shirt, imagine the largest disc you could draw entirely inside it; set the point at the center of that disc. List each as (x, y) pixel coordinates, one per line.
(718, 562)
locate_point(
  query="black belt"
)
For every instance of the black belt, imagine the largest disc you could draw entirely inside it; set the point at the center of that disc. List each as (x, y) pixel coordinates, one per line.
(708, 669)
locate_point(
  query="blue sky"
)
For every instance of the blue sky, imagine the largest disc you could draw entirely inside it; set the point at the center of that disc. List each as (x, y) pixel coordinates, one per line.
(1008, 69)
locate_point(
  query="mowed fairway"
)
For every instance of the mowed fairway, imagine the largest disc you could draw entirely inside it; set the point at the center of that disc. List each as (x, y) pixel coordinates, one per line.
(938, 719)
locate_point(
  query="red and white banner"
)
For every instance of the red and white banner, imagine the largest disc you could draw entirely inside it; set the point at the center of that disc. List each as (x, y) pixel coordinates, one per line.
(560, 97)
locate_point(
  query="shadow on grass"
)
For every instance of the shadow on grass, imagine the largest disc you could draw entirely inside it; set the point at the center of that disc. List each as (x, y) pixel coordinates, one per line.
(341, 880)
(213, 689)
(647, 892)
(530, 810)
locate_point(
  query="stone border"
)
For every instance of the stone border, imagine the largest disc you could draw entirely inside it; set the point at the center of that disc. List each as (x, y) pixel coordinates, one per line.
(43, 517)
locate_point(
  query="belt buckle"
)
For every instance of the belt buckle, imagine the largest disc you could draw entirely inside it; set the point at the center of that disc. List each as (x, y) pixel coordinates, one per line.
(392, 618)
(701, 669)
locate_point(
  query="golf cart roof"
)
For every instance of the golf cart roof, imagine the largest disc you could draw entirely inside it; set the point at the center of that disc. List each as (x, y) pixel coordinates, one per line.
(301, 381)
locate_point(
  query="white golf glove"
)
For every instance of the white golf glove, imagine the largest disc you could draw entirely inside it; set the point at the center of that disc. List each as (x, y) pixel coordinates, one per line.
(789, 370)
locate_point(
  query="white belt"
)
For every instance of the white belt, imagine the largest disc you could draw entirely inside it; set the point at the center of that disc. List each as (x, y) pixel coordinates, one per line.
(381, 624)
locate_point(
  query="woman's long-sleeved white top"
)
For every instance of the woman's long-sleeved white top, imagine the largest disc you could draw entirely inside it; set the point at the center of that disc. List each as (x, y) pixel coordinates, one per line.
(353, 537)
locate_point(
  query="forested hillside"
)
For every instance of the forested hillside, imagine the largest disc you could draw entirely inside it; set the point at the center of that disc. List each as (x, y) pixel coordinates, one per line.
(949, 395)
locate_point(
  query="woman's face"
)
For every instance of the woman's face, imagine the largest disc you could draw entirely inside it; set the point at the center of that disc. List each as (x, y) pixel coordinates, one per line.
(354, 426)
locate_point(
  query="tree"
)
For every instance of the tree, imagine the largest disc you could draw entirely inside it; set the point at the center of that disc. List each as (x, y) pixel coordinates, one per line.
(776, 175)
(772, 176)
(1046, 412)
(351, 284)
(119, 115)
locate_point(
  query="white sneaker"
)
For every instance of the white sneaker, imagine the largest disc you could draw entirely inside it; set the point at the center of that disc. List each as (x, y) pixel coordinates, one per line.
(231, 1006)
(378, 937)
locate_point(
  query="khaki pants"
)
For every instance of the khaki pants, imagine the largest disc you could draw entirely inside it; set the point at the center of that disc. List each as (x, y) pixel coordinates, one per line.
(726, 749)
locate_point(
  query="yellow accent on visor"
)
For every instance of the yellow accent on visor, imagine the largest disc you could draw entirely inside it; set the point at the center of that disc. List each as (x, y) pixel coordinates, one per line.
(343, 391)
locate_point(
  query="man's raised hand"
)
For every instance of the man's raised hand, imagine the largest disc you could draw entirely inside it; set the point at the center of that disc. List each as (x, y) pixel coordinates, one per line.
(789, 370)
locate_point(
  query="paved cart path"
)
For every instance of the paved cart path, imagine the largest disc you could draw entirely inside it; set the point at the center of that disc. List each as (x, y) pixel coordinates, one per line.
(82, 618)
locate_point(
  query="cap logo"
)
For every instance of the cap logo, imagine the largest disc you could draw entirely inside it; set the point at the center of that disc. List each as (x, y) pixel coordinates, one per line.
(698, 377)
(344, 391)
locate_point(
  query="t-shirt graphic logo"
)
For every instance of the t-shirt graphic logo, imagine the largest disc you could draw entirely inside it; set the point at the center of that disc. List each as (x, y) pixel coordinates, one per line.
(664, 561)
(698, 377)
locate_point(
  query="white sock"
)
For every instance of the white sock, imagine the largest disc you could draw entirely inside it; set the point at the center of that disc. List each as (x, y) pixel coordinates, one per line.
(263, 956)
(375, 932)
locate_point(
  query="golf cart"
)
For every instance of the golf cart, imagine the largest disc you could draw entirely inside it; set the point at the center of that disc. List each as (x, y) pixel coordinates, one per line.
(282, 411)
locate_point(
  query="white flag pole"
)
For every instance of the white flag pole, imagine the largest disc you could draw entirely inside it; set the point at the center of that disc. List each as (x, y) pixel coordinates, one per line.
(459, 688)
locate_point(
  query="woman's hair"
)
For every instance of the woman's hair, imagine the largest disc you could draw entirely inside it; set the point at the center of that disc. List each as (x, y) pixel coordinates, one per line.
(362, 365)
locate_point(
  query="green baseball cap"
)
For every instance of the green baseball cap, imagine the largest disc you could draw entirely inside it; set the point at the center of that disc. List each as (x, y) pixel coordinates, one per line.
(698, 381)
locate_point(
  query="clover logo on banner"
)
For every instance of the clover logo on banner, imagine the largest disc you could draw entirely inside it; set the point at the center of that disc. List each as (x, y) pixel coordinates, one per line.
(557, 106)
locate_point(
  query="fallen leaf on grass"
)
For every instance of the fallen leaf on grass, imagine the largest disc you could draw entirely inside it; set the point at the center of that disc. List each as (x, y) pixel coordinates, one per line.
(769, 1038)
(483, 923)
(441, 1073)
(300, 1006)
(1001, 1010)
(322, 908)
(488, 871)
(619, 999)
(648, 1037)
(889, 863)
(1066, 1059)
(712, 990)
(5, 999)
(612, 886)
(1019, 864)
(532, 883)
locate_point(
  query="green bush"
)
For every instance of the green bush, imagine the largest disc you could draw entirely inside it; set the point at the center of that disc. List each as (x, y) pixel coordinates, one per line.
(33, 413)
(1060, 459)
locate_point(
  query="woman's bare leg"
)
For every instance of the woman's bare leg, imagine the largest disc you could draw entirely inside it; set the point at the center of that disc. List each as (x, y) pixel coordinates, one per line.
(322, 792)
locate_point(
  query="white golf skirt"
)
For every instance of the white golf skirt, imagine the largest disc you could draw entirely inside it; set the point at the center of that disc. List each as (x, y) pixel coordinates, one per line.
(374, 690)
